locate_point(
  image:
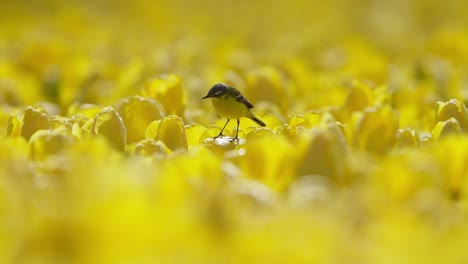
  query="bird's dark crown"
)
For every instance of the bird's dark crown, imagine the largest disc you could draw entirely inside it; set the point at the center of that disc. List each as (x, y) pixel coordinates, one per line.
(217, 90)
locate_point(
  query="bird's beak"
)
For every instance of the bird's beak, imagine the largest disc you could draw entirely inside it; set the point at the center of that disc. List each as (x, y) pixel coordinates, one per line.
(206, 97)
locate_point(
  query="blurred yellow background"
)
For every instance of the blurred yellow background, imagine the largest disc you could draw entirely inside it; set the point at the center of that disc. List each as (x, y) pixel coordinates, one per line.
(105, 154)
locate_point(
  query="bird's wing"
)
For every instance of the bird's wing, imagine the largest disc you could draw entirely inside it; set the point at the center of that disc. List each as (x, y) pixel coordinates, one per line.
(239, 97)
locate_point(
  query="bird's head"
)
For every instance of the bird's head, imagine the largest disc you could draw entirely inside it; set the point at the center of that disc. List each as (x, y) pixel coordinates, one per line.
(217, 91)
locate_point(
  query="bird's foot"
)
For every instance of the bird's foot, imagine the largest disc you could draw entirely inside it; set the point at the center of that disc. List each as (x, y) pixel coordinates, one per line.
(218, 136)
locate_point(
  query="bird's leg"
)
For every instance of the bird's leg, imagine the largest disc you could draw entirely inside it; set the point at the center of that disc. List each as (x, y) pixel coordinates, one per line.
(237, 131)
(221, 132)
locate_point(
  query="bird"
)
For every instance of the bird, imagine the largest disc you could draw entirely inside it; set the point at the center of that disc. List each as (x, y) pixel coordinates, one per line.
(231, 104)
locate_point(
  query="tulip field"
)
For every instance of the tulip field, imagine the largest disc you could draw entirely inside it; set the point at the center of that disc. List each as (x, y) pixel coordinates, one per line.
(108, 155)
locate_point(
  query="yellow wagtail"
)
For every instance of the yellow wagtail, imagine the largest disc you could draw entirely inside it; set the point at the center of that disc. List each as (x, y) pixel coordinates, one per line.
(230, 103)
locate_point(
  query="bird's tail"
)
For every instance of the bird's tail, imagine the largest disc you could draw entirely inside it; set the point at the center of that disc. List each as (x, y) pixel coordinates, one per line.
(258, 121)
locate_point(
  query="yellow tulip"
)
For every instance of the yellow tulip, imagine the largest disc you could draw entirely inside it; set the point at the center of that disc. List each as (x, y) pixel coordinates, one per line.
(45, 143)
(169, 91)
(137, 113)
(13, 128)
(267, 79)
(374, 130)
(271, 160)
(33, 121)
(443, 128)
(452, 157)
(323, 151)
(359, 97)
(407, 138)
(171, 131)
(149, 147)
(109, 124)
(452, 109)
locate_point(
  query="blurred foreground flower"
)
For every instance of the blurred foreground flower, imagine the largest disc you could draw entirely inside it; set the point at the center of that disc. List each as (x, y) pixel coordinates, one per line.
(269, 158)
(323, 151)
(148, 147)
(452, 158)
(45, 143)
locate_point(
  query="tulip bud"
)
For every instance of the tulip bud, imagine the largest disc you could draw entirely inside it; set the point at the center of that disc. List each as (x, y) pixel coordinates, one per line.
(168, 91)
(137, 113)
(33, 121)
(109, 124)
(171, 131)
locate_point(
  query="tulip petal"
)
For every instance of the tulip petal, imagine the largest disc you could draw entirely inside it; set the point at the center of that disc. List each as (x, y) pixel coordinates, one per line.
(109, 124)
(171, 131)
(137, 113)
(170, 92)
(33, 121)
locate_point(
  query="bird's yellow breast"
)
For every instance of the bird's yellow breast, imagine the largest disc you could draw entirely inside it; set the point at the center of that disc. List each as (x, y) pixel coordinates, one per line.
(230, 108)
